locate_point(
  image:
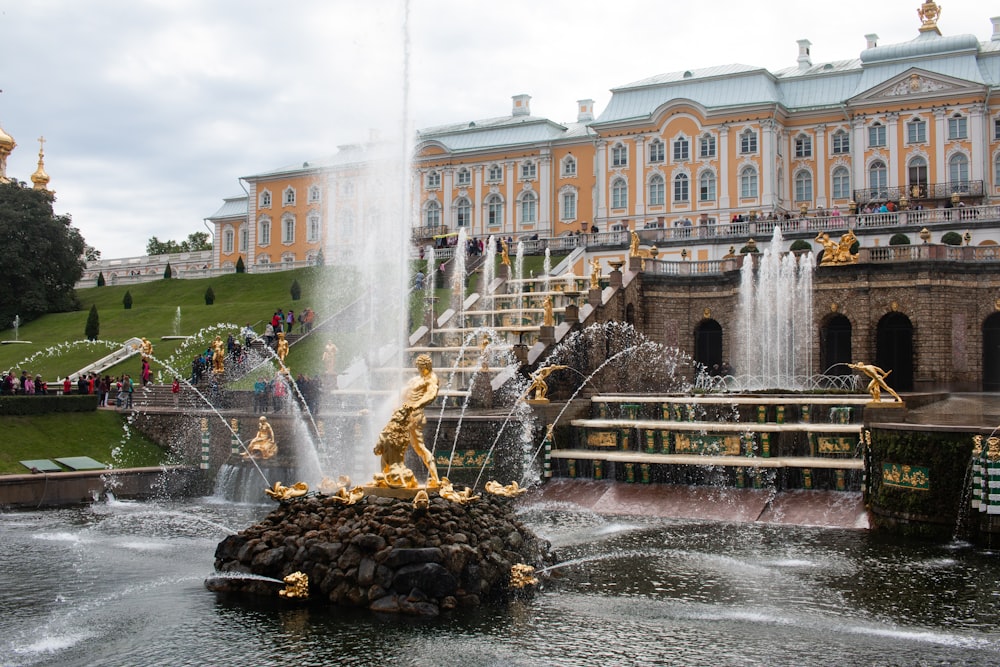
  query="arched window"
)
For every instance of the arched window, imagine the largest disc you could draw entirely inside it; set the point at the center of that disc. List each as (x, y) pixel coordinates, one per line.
(682, 187)
(433, 180)
(841, 183)
(656, 151)
(803, 146)
(265, 199)
(314, 194)
(748, 183)
(432, 214)
(567, 203)
(706, 186)
(657, 190)
(803, 186)
(748, 142)
(841, 141)
(706, 148)
(619, 193)
(313, 231)
(494, 210)
(958, 173)
(569, 166)
(529, 208)
(264, 233)
(917, 174)
(494, 174)
(528, 170)
(878, 179)
(619, 156)
(682, 149)
(463, 212)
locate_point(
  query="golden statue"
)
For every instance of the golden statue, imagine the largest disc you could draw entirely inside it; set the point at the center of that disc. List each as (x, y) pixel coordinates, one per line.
(548, 319)
(595, 273)
(837, 252)
(512, 490)
(421, 501)
(633, 248)
(297, 586)
(330, 357)
(282, 347)
(504, 253)
(405, 428)
(218, 356)
(262, 443)
(281, 492)
(877, 383)
(522, 575)
(484, 364)
(538, 387)
(448, 492)
(147, 349)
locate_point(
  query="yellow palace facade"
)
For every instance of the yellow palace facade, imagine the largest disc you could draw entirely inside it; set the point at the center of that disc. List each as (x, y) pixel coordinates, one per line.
(916, 124)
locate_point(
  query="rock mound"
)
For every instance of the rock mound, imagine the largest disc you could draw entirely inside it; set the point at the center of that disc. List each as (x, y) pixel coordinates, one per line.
(383, 554)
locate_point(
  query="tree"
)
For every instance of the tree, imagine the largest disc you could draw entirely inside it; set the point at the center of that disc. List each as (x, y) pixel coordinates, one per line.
(42, 255)
(209, 296)
(296, 290)
(91, 254)
(195, 241)
(100, 279)
(167, 273)
(93, 328)
(240, 266)
(127, 300)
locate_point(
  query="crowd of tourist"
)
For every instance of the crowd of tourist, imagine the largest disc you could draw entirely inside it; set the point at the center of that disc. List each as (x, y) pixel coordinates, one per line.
(26, 385)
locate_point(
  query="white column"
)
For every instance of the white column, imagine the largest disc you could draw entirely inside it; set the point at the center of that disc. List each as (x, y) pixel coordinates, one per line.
(478, 215)
(724, 175)
(940, 160)
(602, 182)
(767, 150)
(858, 154)
(545, 195)
(447, 199)
(892, 146)
(640, 176)
(821, 175)
(510, 178)
(978, 163)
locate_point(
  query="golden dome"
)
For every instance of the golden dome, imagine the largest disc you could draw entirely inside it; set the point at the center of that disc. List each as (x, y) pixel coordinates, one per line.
(40, 178)
(6, 141)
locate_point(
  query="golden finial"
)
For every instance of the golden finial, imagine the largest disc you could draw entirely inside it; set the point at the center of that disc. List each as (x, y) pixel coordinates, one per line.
(40, 178)
(929, 13)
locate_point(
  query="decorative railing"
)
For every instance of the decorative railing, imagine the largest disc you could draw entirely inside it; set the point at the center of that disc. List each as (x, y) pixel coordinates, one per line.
(918, 192)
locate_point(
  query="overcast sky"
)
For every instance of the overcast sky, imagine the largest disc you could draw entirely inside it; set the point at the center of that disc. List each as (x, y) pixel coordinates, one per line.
(152, 109)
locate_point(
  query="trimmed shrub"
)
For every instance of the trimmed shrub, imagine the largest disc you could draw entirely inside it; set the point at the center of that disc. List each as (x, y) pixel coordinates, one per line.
(899, 239)
(800, 244)
(296, 290)
(40, 405)
(952, 238)
(167, 273)
(749, 248)
(240, 266)
(100, 279)
(127, 300)
(209, 296)
(93, 328)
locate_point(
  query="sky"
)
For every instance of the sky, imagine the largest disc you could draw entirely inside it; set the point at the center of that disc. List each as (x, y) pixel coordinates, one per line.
(153, 109)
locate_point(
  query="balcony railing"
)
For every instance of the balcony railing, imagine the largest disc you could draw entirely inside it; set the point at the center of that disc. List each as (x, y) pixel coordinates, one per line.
(926, 191)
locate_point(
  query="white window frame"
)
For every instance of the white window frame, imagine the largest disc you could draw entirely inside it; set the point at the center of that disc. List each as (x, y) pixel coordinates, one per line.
(706, 146)
(656, 191)
(433, 180)
(265, 199)
(682, 188)
(803, 186)
(657, 151)
(619, 155)
(288, 230)
(803, 146)
(840, 182)
(315, 194)
(840, 142)
(569, 166)
(463, 212)
(707, 186)
(494, 174)
(916, 131)
(264, 232)
(463, 177)
(228, 240)
(529, 170)
(749, 186)
(748, 142)
(619, 193)
(876, 135)
(432, 214)
(681, 149)
(528, 207)
(313, 228)
(288, 196)
(494, 210)
(567, 203)
(958, 127)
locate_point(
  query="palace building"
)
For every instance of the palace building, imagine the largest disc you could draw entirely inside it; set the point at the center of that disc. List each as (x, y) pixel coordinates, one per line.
(914, 123)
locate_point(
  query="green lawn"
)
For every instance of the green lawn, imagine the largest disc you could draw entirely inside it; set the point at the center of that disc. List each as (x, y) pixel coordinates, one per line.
(95, 434)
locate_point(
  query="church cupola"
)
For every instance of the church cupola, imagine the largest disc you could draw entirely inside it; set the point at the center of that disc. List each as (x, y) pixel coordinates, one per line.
(40, 178)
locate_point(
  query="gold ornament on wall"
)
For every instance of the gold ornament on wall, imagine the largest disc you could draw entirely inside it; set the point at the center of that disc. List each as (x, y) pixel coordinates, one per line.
(707, 314)
(834, 307)
(894, 306)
